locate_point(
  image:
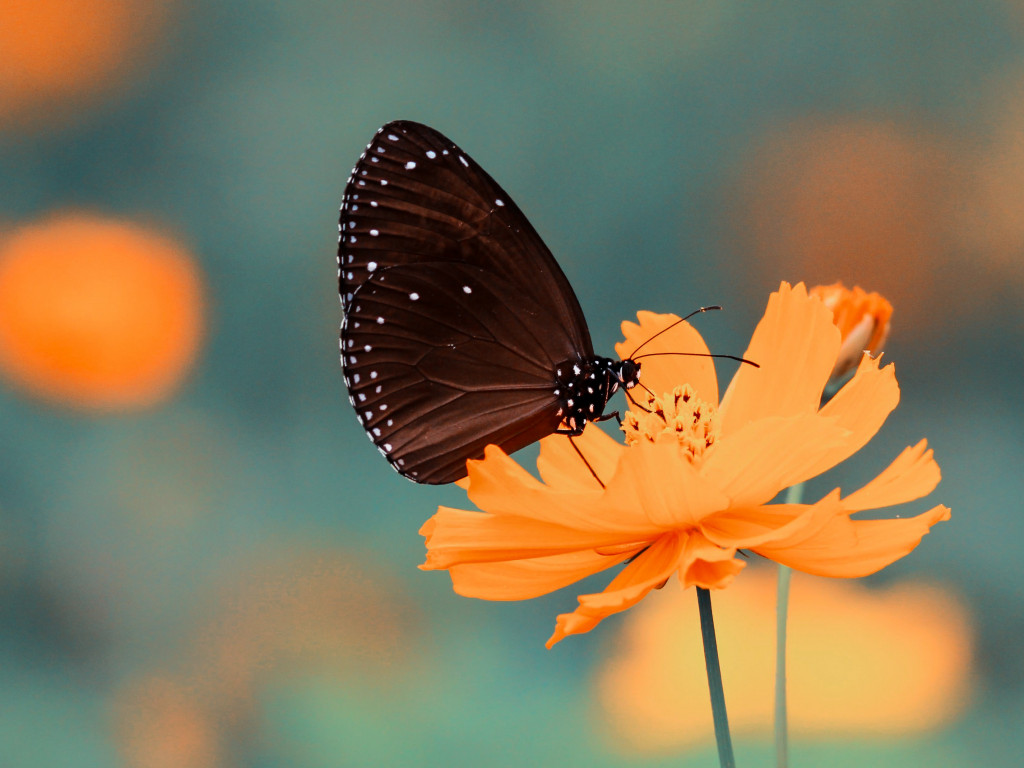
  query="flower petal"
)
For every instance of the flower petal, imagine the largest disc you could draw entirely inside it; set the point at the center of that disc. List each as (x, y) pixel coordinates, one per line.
(657, 488)
(795, 345)
(560, 466)
(456, 536)
(647, 571)
(707, 565)
(764, 456)
(912, 475)
(771, 523)
(498, 485)
(877, 543)
(686, 361)
(861, 406)
(524, 579)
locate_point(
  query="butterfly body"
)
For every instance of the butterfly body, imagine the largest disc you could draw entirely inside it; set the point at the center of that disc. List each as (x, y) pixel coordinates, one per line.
(459, 328)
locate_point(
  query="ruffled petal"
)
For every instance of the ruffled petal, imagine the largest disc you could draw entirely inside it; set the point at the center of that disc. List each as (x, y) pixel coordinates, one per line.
(795, 345)
(861, 406)
(647, 571)
(661, 372)
(456, 536)
(875, 544)
(771, 523)
(912, 475)
(525, 579)
(658, 489)
(705, 564)
(498, 485)
(560, 466)
(764, 456)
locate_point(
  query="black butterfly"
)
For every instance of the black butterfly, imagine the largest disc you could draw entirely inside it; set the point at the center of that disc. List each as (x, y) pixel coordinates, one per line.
(459, 328)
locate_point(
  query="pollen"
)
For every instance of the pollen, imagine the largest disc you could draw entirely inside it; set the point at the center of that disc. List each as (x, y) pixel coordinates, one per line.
(680, 414)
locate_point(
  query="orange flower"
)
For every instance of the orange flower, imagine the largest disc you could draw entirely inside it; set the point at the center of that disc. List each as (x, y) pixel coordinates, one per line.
(97, 313)
(862, 318)
(694, 482)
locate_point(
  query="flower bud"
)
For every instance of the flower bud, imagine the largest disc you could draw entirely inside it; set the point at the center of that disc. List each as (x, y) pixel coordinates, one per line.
(862, 319)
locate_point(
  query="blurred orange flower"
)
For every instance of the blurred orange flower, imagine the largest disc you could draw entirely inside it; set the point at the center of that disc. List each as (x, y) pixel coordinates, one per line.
(97, 313)
(861, 661)
(874, 198)
(59, 53)
(161, 724)
(289, 614)
(862, 318)
(692, 485)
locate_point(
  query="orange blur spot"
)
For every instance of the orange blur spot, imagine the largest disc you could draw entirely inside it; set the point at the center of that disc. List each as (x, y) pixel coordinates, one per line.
(869, 202)
(97, 313)
(862, 662)
(289, 614)
(161, 724)
(58, 53)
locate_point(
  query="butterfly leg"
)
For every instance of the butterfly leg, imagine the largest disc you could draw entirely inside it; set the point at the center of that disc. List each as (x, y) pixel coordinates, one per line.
(570, 432)
(612, 415)
(584, 459)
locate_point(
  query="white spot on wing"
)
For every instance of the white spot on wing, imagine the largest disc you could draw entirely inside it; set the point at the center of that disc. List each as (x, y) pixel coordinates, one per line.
(374, 233)
(410, 165)
(414, 296)
(463, 161)
(467, 289)
(370, 266)
(499, 201)
(431, 154)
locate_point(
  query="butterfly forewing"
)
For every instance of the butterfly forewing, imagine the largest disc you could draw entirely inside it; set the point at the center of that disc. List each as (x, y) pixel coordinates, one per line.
(415, 197)
(443, 358)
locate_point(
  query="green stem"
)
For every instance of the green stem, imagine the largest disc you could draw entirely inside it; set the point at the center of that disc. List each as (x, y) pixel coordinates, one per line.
(793, 496)
(707, 630)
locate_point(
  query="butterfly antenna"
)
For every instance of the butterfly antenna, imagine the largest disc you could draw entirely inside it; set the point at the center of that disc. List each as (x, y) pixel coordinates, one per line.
(702, 354)
(670, 327)
(584, 460)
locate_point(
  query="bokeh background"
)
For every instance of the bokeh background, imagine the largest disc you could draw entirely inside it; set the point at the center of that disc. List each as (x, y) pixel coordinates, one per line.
(204, 564)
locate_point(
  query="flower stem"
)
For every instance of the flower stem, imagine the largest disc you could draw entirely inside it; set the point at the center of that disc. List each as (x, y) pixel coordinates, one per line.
(707, 629)
(781, 719)
(793, 496)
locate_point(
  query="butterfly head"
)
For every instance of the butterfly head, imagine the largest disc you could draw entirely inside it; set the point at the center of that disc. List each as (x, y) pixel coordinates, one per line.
(628, 373)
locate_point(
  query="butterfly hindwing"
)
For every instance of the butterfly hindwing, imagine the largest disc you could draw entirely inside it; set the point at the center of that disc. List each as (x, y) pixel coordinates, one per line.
(443, 358)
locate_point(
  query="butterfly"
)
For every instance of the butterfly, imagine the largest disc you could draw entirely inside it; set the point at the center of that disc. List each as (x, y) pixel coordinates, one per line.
(459, 328)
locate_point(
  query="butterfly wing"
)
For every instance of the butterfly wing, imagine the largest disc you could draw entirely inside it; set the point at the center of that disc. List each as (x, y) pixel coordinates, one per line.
(415, 197)
(444, 358)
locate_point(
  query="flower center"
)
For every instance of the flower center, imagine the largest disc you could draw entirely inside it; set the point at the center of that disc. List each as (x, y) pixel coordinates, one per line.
(692, 421)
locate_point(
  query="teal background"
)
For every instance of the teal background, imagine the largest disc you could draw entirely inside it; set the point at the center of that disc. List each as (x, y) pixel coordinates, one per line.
(132, 545)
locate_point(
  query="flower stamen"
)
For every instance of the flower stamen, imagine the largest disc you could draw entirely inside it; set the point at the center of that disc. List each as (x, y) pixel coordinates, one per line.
(680, 413)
